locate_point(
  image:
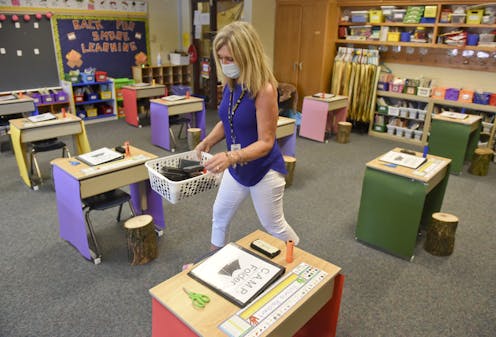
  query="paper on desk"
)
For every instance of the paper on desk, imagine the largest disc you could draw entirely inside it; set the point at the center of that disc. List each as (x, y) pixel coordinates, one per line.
(173, 98)
(455, 115)
(403, 159)
(323, 95)
(42, 117)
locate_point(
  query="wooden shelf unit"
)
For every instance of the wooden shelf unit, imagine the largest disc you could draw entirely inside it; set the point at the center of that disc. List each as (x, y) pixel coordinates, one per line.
(435, 54)
(431, 105)
(167, 75)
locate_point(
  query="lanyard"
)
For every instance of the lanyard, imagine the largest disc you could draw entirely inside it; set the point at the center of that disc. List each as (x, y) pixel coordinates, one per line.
(232, 110)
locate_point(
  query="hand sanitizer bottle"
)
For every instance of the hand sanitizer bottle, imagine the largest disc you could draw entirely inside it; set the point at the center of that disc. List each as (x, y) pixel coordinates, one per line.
(159, 59)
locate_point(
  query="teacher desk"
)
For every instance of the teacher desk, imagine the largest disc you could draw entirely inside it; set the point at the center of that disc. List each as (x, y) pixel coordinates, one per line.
(162, 109)
(130, 96)
(314, 314)
(22, 131)
(396, 200)
(74, 180)
(453, 138)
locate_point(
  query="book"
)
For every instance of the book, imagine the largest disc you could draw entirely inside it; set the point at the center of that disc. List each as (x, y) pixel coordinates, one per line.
(323, 95)
(173, 98)
(100, 156)
(237, 274)
(143, 84)
(455, 115)
(41, 117)
(403, 159)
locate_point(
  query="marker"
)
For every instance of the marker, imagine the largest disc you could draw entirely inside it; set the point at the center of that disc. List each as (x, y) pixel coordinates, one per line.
(289, 251)
(426, 149)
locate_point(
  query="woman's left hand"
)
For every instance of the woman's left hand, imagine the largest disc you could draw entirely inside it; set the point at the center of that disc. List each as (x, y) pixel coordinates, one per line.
(218, 163)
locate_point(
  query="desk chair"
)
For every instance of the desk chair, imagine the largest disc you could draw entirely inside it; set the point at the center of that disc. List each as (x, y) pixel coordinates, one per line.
(101, 202)
(184, 122)
(45, 146)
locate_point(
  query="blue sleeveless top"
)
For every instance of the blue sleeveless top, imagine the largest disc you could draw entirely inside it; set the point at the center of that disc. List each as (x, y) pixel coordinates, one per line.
(244, 124)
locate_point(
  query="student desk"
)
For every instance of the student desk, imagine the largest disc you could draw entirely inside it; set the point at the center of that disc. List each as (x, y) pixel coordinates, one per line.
(313, 315)
(132, 93)
(286, 135)
(454, 138)
(161, 110)
(18, 105)
(320, 116)
(22, 131)
(75, 180)
(397, 200)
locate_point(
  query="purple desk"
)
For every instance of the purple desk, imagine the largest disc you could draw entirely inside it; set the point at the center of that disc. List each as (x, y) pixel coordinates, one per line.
(286, 136)
(320, 116)
(161, 110)
(76, 182)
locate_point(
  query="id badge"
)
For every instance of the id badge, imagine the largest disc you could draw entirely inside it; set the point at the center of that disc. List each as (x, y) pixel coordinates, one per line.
(235, 147)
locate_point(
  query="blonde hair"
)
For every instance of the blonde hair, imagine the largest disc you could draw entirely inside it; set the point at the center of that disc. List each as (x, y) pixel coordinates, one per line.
(245, 46)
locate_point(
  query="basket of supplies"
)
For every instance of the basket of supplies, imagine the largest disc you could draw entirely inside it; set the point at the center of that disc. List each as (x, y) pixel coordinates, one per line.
(173, 191)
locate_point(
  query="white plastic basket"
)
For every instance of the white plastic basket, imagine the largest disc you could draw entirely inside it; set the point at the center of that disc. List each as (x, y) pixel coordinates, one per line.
(173, 191)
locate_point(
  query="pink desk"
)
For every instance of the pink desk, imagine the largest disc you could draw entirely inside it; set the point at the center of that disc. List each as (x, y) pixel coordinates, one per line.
(132, 93)
(321, 116)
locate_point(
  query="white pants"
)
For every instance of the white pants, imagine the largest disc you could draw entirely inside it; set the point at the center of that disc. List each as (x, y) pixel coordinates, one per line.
(267, 199)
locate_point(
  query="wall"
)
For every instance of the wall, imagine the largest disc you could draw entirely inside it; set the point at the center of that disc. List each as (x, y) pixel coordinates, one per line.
(263, 18)
(163, 25)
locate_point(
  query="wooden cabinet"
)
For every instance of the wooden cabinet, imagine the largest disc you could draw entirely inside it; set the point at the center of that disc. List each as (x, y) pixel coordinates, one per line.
(434, 48)
(167, 75)
(303, 47)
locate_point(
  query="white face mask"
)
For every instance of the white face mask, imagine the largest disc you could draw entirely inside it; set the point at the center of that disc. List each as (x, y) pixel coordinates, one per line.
(231, 70)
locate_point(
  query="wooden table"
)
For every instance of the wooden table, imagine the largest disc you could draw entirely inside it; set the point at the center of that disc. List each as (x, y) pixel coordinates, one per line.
(320, 116)
(396, 201)
(18, 105)
(22, 131)
(132, 93)
(286, 135)
(453, 138)
(75, 180)
(161, 110)
(315, 314)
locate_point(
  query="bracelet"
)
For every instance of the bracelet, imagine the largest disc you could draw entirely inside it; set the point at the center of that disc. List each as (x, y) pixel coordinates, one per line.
(230, 158)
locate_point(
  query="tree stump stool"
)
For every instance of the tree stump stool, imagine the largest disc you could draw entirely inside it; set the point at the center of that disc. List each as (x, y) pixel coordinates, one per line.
(194, 135)
(141, 240)
(480, 161)
(290, 163)
(440, 238)
(344, 130)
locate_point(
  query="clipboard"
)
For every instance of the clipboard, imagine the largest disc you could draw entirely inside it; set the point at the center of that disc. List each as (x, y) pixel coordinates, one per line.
(237, 274)
(100, 156)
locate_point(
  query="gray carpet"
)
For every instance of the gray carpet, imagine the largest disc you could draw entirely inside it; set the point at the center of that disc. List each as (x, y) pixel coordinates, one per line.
(48, 289)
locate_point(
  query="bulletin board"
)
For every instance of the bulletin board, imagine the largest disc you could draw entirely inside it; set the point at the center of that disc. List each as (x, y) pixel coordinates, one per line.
(113, 45)
(27, 55)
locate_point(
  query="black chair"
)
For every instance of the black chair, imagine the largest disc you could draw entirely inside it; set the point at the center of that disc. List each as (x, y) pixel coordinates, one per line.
(101, 202)
(184, 122)
(45, 146)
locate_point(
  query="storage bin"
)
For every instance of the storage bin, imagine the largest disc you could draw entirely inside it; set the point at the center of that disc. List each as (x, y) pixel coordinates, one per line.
(486, 37)
(92, 96)
(472, 39)
(61, 96)
(492, 99)
(73, 78)
(387, 10)
(91, 112)
(173, 191)
(430, 11)
(105, 94)
(375, 16)
(359, 16)
(105, 109)
(78, 98)
(87, 77)
(466, 96)
(384, 86)
(452, 94)
(391, 129)
(482, 97)
(400, 132)
(458, 18)
(393, 36)
(438, 92)
(382, 109)
(410, 90)
(379, 128)
(404, 112)
(178, 59)
(393, 111)
(412, 113)
(398, 15)
(408, 133)
(417, 134)
(396, 87)
(47, 98)
(421, 114)
(405, 37)
(36, 97)
(100, 76)
(424, 92)
(474, 16)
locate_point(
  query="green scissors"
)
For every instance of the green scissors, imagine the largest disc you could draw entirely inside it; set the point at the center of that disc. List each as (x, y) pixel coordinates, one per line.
(199, 300)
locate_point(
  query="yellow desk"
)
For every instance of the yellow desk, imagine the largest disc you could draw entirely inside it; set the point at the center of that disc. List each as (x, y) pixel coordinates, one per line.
(22, 131)
(315, 314)
(75, 180)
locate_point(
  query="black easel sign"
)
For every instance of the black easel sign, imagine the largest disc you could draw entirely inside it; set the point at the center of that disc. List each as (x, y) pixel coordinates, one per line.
(113, 45)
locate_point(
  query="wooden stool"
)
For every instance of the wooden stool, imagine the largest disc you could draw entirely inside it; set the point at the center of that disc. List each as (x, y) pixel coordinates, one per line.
(344, 130)
(141, 239)
(440, 238)
(290, 163)
(480, 161)
(194, 135)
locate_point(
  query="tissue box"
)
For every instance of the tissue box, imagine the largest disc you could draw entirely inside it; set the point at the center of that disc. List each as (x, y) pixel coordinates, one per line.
(178, 59)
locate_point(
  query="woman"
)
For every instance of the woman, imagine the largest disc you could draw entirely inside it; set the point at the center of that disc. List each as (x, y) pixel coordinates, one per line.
(248, 120)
